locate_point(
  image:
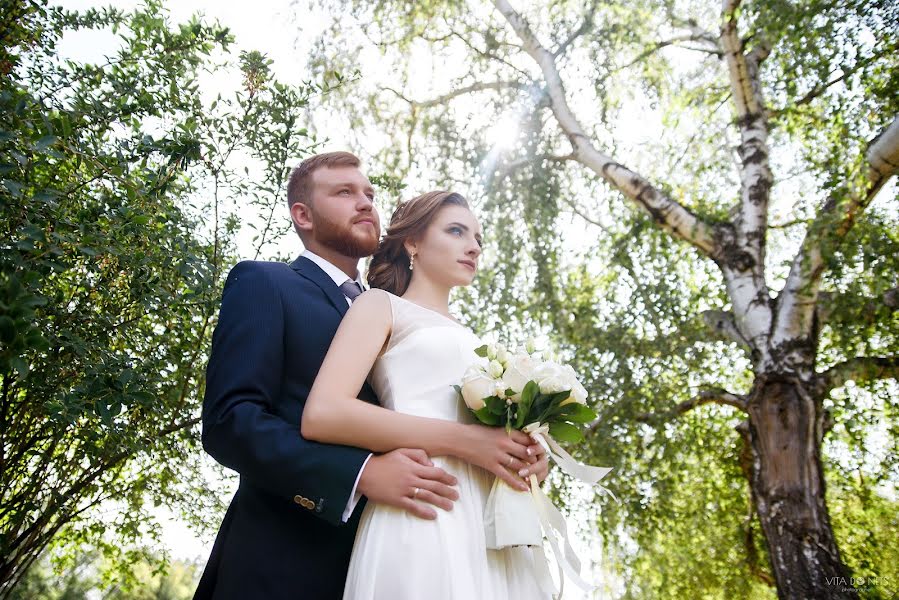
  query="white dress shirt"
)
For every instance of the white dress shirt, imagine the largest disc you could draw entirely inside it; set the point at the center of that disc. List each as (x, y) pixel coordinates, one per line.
(340, 278)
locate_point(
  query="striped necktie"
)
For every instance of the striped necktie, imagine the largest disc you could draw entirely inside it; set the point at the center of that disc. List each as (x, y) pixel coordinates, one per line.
(350, 289)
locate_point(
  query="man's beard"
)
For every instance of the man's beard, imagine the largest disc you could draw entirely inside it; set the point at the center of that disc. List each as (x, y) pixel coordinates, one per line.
(343, 240)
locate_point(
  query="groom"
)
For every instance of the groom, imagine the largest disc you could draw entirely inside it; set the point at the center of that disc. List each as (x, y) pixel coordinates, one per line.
(289, 529)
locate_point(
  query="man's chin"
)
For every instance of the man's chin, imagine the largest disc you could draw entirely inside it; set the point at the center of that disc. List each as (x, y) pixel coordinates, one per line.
(354, 246)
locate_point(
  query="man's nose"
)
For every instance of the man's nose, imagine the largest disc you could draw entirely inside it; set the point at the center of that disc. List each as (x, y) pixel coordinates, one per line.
(364, 202)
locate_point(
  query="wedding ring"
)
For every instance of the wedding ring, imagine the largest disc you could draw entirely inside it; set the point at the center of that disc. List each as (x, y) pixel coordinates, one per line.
(511, 458)
(414, 493)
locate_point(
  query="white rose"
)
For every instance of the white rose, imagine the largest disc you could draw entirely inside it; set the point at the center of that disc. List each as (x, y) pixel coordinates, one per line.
(491, 351)
(530, 345)
(495, 369)
(476, 385)
(518, 372)
(551, 378)
(578, 391)
(502, 355)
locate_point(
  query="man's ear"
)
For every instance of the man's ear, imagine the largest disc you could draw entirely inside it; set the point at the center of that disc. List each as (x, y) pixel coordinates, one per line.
(301, 215)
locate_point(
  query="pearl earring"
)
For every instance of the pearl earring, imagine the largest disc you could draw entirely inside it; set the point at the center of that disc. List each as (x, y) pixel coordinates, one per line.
(411, 260)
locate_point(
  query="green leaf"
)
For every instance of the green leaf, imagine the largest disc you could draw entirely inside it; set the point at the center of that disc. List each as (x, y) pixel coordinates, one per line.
(481, 351)
(575, 412)
(565, 432)
(20, 365)
(530, 391)
(486, 417)
(45, 142)
(495, 405)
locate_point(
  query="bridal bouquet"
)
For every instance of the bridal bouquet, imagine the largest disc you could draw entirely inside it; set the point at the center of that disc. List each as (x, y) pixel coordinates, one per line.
(540, 396)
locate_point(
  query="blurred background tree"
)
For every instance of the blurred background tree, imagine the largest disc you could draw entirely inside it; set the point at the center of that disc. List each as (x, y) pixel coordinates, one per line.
(739, 328)
(121, 183)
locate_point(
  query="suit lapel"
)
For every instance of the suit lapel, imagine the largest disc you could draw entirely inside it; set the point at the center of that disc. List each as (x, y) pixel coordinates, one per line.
(311, 271)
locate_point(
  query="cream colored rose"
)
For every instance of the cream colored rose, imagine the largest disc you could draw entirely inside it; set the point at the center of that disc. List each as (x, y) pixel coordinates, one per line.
(519, 371)
(476, 385)
(578, 391)
(550, 378)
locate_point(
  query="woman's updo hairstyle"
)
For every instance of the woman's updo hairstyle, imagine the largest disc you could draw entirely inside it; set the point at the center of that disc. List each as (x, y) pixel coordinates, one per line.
(389, 267)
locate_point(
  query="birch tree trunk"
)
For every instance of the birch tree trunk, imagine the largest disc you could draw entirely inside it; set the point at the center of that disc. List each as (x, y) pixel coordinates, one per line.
(786, 425)
(784, 408)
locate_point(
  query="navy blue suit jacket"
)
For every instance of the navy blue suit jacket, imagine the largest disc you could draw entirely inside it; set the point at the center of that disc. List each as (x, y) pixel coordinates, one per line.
(282, 536)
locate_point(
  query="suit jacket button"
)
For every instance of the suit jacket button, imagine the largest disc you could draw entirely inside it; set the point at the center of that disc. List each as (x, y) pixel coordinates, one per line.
(298, 499)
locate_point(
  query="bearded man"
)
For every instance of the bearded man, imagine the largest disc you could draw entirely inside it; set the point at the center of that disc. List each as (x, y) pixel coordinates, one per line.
(289, 529)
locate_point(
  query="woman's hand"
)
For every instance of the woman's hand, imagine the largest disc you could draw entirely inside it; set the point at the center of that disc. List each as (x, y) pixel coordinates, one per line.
(503, 454)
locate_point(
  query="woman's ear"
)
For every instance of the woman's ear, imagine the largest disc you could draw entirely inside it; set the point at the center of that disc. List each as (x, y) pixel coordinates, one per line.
(411, 246)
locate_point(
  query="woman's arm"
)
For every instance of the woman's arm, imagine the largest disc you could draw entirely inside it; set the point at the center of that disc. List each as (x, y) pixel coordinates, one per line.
(333, 414)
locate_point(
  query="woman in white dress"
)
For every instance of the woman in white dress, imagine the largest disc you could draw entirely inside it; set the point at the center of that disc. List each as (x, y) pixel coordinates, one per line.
(404, 339)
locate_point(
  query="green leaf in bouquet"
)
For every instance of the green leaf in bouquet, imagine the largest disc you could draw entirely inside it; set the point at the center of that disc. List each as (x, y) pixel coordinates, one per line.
(495, 405)
(565, 432)
(552, 403)
(481, 351)
(524, 410)
(529, 392)
(458, 388)
(575, 412)
(486, 417)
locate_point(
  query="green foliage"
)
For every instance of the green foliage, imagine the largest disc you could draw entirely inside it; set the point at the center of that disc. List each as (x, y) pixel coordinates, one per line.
(176, 580)
(568, 260)
(118, 182)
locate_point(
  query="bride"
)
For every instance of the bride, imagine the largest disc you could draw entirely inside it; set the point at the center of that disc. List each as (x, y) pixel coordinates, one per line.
(401, 336)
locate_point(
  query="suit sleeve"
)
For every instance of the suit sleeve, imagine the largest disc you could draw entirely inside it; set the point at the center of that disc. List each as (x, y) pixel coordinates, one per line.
(240, 428)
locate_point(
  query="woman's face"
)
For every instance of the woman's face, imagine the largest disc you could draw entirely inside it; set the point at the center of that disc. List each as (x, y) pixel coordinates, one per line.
(448, 251)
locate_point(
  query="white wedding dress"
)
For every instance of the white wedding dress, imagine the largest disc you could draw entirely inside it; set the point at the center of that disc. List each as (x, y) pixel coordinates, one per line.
(397, 556)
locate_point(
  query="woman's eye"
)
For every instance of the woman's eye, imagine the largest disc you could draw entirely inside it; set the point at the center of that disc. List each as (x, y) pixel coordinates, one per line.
(455, 230)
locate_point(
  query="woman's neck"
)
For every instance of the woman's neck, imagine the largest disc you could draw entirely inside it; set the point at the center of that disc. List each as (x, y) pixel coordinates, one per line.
(429, 295)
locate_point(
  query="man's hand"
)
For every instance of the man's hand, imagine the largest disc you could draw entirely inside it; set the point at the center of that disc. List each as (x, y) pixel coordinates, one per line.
(407, 479)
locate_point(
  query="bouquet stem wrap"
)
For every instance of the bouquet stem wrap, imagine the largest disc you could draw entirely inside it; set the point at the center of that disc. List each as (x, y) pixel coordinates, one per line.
(511, 514)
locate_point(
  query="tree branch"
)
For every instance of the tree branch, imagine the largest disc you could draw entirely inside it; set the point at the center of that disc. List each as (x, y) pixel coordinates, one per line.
(687, 37)
(668, 214)
(870, 307)
(711, 396)
(722, 322)
(584, 28)
(797, 300)
(745, 271)
(475, 87)
(817, 91)
(860, 370)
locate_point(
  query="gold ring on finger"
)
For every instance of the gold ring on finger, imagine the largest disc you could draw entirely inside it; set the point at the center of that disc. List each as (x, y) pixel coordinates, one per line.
(415, 492)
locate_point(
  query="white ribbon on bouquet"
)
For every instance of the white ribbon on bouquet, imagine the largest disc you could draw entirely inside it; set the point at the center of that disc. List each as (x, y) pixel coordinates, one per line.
(551, 519)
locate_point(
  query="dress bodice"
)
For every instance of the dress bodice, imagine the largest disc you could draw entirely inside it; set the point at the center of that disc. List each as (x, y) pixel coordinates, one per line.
(426, 355)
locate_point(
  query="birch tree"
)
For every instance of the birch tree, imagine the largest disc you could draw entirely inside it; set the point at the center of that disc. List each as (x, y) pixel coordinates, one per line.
(778, 93)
